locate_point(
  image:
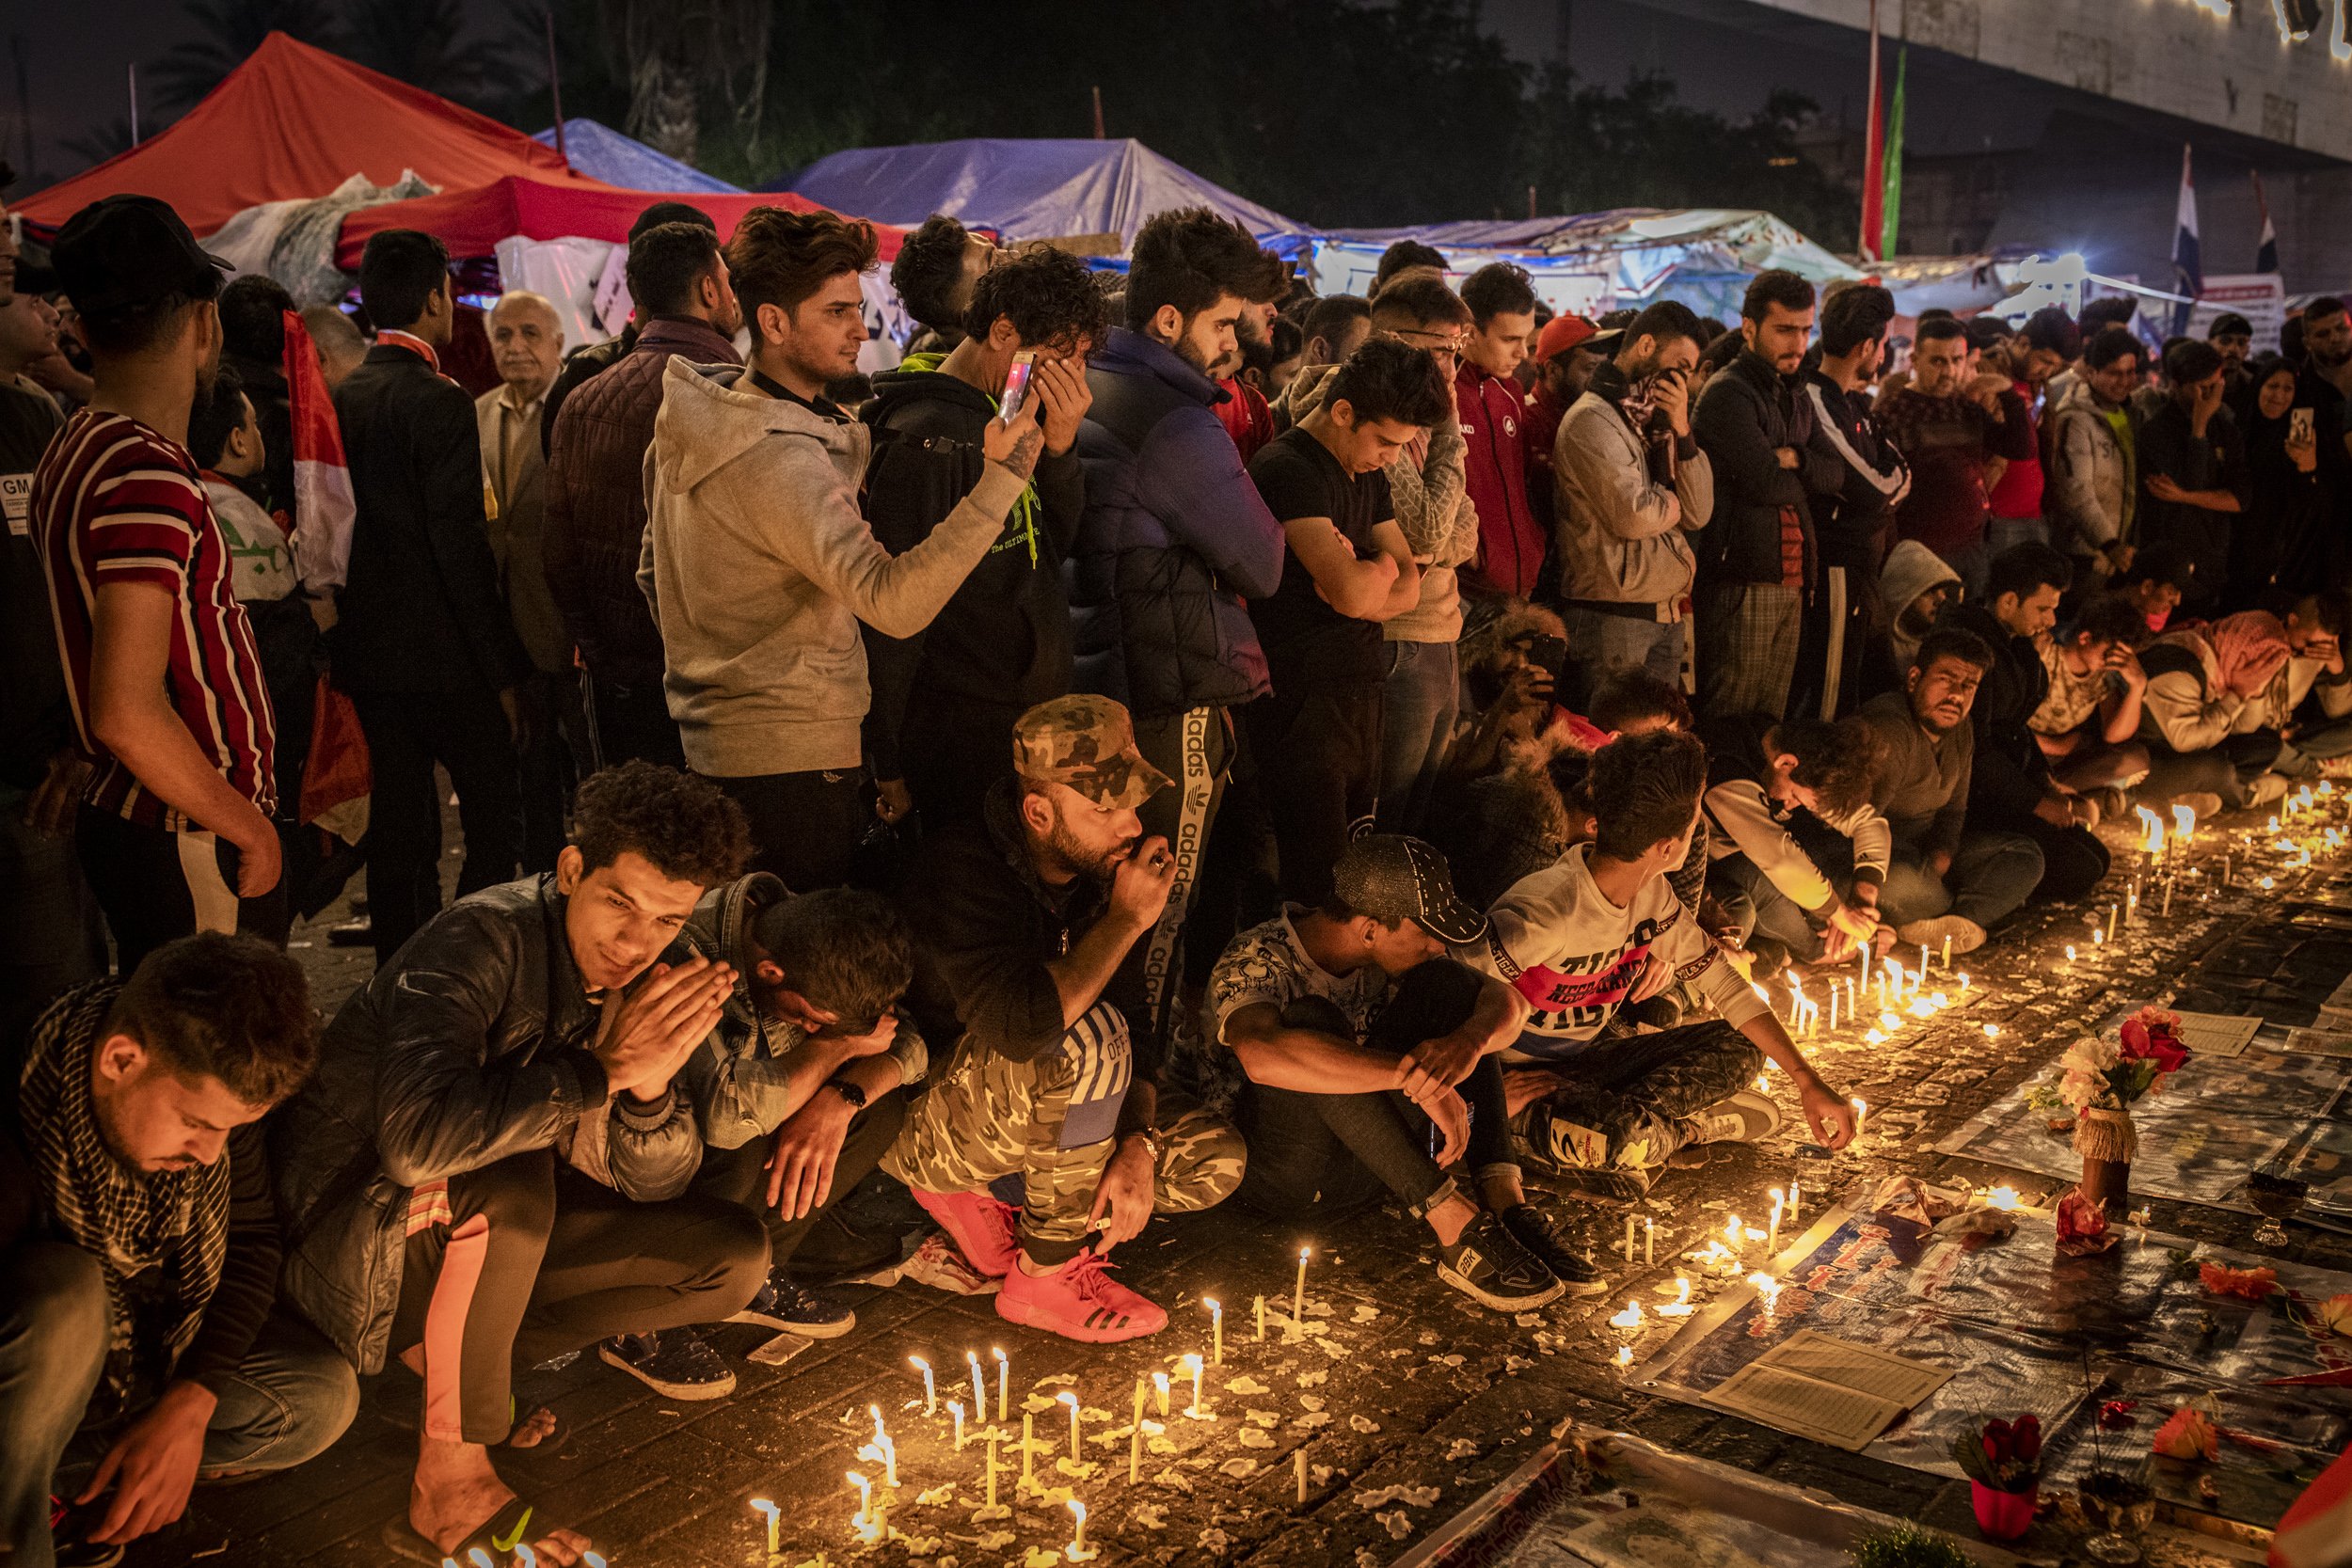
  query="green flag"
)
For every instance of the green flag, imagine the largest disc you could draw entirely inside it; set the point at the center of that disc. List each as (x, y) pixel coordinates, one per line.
(1892, 219)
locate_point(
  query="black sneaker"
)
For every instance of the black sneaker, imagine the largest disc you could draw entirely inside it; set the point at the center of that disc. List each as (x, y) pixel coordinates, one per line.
(1490, 1267)
(1533, 1229)
(785, 1307)
(674, 1363)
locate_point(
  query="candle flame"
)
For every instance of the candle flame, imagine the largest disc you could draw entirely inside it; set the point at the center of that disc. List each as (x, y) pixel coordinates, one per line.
(2004, 1197)
(1066, 1397)
(1078, 1509)
(919, 1364)
(1993, 1030)
(1625, 1356)
(2184, 823)
(763, 1506)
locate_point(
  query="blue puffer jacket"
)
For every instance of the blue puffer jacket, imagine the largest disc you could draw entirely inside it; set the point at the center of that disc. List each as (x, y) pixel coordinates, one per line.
(1173, 539)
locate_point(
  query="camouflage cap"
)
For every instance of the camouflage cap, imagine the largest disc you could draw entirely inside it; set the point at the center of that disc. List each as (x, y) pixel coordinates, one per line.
(1088, 744)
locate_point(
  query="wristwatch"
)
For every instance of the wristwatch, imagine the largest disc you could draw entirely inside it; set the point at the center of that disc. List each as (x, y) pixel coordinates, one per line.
(848, 1091)
(1151, 1140)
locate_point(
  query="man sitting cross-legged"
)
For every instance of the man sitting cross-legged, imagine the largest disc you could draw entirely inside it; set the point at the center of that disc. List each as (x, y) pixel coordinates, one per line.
(138, 1348)
(1359, 1037)
(812, 1050)
(491, 1168)
(1021, 923)
(1602, 929)
(1798, 853)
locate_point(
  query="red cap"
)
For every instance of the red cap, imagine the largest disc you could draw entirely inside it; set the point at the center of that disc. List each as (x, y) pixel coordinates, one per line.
(1561, 334)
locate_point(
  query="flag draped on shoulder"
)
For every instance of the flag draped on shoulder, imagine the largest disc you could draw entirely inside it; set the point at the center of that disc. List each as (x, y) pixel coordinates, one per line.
(323, 504)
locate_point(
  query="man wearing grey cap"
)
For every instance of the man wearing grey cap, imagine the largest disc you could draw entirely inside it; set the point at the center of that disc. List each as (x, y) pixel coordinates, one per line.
(1022, 922)
(1370, 1065)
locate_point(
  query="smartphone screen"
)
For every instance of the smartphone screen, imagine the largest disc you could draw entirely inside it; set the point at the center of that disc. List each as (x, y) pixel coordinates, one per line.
(2298, 425)
(1016, 387)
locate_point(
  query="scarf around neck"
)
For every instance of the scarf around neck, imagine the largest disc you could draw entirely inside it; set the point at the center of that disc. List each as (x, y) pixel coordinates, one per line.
(131, 1221)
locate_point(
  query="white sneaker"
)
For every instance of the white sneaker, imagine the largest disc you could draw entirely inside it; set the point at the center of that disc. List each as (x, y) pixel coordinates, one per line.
(2202, 803)
(2267, 789)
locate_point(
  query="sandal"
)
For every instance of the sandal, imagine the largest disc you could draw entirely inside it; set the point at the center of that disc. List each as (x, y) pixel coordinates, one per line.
(498, 1541)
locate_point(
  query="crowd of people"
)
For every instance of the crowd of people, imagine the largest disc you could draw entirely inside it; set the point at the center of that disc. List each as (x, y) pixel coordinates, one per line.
(1172, 741)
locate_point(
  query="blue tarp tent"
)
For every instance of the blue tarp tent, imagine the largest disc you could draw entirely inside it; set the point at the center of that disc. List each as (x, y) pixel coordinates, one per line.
(600, 152)
(1026, 190)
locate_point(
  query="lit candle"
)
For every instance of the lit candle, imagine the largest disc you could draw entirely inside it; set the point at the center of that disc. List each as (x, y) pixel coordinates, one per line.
(1077, 1454)
(955, 1408)
(889, 1450)
(980, 1390)
(2111, 909)
(1004, 1382)
(993, 1436)
(1625, 1356)
(771, 1511)
(930, 1392)
(1628, 1238)
(1734, 1232)
(1028, 1445)
(1217, 1329)
(1649, 1242)
(1078, 1551)
(1923, 957)
(1947, 953)
(1771, 1234)
(1792, 1203)
(1862, 1111)
(865, 1503)
(1298, 1463)
(1192, 1364)
(1833, 1006)
(1261, 1320)
(1134, 1436)
(1159, 1392)
(1299, 1294)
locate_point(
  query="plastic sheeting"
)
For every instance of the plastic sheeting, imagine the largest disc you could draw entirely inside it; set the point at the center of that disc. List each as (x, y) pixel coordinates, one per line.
(294, 241)
(603, 153)
(1026, 190)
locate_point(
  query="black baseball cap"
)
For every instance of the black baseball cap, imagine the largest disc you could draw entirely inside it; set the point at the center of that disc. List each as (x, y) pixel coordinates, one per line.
(124, 251)
(1391, 877)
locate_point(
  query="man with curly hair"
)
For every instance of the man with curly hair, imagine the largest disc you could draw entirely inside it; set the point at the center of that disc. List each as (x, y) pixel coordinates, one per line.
(1001, 643)
(1798, 853)
(492, 1167)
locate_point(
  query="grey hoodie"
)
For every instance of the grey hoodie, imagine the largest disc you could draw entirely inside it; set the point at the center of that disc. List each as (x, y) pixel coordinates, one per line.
(758, 568)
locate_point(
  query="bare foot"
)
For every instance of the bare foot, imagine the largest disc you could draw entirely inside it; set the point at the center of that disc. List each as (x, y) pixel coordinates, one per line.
(1524, 1086)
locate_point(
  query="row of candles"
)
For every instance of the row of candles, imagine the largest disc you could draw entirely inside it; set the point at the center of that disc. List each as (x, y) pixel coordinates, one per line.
(872, 1522)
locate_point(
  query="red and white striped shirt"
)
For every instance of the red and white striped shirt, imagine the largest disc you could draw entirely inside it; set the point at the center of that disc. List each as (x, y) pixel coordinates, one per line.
(113, 500)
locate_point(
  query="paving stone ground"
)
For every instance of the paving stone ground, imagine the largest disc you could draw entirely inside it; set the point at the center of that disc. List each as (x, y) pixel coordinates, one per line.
(1432, 1393)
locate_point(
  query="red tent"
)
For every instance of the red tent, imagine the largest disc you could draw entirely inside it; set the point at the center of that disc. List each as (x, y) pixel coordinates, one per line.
(472, 221)
(294, 123)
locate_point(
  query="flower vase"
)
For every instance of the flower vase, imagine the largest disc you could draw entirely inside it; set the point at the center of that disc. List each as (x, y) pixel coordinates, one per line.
(2002, 1516)
(2106, 1141)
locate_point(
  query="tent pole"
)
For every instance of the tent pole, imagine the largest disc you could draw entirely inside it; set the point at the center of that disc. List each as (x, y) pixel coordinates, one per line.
(1098, 113)
(135, 102)
(555, 82)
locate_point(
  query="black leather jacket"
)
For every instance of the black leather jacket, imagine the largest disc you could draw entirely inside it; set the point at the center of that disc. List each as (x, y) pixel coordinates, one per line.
(470, 1047)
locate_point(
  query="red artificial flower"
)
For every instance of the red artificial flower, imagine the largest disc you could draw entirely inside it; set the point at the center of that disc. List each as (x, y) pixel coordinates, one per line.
(2189, 1433)
(2150, 1034)
(2082, 1225)
(2027, 1436)
(2253, 1284)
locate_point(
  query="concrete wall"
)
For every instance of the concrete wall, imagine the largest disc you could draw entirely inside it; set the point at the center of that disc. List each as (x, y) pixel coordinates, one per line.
(2173, 56)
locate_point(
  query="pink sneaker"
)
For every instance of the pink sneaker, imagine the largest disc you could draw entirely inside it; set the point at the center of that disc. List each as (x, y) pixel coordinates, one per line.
(1079, 1302)
(980, 1225)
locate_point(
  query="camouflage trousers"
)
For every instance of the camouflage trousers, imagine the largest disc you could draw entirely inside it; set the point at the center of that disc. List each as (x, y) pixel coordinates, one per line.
(1049, 1121)
(1618, 1100)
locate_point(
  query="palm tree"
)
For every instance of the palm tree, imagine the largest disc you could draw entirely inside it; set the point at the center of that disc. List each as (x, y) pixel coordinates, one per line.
(417, 41)
(232, 30)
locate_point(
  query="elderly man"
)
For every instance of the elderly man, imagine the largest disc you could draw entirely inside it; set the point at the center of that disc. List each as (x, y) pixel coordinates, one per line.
(527, 339)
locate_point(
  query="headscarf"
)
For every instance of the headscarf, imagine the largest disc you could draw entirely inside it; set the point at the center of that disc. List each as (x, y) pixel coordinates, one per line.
(131, 1221)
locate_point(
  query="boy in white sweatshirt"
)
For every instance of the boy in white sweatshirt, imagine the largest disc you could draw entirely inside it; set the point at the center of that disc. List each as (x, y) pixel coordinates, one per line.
(1603, 928)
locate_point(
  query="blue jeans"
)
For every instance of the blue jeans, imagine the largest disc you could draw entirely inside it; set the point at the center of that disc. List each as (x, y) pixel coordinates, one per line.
(1992, 875)
(291, 1396)
(1418, 703)
(1766, 913)
(1599, 642)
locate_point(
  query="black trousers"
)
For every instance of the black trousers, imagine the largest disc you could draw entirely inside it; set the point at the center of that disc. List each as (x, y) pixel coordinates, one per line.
(155, 886)
(531, 1258)
(552, 766)
(1331, 1153)
(1318, 758)
(739, 1176)
(630, 720)
(805, 827)
(407, 732)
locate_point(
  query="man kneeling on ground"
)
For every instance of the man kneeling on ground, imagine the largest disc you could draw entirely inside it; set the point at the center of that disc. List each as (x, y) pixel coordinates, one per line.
(1359, 1037)
(1603, 928)
(812, 1050)
(138, 1348)
(490, 1169)
(1022, 921)
(1800, 855)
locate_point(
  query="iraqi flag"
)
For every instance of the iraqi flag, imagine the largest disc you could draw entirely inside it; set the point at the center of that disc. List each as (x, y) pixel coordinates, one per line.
(2189, 264)
(323, 507)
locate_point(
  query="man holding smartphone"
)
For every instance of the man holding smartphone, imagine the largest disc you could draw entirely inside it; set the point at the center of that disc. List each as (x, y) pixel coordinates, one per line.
(944, 699)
